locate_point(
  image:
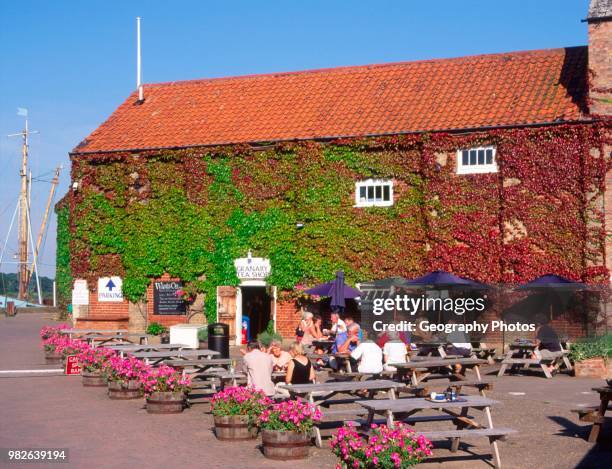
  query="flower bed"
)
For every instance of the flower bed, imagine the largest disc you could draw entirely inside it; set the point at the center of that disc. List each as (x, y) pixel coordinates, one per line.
(397, 447)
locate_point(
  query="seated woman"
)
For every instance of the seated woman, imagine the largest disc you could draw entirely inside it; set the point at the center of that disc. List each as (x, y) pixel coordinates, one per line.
(299, 370)
(307, 326)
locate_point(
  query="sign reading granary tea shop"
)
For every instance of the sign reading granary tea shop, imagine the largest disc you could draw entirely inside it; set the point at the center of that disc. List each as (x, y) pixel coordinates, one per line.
(165, 299)
(252, 268)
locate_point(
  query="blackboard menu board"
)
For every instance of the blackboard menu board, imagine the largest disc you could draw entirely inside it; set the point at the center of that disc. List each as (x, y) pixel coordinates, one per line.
(165, 300)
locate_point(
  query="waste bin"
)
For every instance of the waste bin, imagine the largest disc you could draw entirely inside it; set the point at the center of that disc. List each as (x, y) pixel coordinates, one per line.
(218, 338)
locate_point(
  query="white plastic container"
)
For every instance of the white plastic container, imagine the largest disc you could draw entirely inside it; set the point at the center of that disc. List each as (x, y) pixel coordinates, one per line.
(185, 334)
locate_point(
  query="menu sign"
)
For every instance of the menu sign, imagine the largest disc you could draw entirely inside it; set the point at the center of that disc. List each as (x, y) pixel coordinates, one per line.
(165, 299)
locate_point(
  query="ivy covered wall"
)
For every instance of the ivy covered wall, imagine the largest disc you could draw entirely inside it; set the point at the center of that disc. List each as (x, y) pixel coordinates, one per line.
(190, 213)
(63, 277)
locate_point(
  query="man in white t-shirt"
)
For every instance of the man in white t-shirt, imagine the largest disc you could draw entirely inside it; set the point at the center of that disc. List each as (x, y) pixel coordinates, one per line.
(370, 357)
(394, 351)
(338, 325)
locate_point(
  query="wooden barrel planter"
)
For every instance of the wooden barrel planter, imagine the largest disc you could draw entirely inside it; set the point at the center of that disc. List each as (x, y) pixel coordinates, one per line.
(165, 403)
(284, 446)
(93, 379)
(124, 389)
(53, 358)
(234, 427)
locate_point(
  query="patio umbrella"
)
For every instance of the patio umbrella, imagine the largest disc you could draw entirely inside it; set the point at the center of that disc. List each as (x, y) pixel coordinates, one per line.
(441, 280)
(551, 288)
(337, 290)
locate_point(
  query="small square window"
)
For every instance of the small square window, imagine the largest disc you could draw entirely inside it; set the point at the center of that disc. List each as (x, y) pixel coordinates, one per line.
(476, 160)
(374, 193)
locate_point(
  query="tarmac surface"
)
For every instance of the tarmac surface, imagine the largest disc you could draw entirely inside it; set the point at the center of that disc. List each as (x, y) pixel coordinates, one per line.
(52, 411)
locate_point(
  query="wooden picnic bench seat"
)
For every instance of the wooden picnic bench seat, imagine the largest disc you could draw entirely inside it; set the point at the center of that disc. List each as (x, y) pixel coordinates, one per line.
(424, 389)
(590, 414)
(357, 376)
(492, 433)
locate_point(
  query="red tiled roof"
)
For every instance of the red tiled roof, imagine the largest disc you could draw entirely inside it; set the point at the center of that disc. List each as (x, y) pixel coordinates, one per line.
(511, 89)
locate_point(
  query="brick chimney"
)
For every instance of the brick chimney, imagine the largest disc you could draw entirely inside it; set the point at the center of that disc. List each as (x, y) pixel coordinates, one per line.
(599, 21)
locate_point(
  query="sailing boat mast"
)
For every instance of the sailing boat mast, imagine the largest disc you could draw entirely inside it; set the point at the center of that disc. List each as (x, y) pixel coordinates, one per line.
(23, 208)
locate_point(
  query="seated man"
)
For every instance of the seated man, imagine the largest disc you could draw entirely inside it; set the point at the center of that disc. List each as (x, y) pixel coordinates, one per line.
(547, 341)
(394, 351)
(370, 357)
(280, 358)
(258, 367)
(345, 342)
(348, 320)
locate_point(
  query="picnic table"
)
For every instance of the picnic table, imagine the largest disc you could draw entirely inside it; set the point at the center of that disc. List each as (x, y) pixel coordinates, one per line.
(127, 348)
(525, 354)
(455, 411)
(484, 351)
(424, 369)
(101, 340)
(155, 358)
(72, 331)
(597, 414)
(233, 377)
(325, 344)
(320, 395)
(431, 348)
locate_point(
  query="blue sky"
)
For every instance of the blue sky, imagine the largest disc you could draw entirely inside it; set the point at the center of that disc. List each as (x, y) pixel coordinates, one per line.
(72, 62)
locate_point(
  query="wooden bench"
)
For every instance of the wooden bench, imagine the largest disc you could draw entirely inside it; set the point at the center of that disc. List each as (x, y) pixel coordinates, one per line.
(357, 376)
(423, 390)
(492, 433)
(590, 414)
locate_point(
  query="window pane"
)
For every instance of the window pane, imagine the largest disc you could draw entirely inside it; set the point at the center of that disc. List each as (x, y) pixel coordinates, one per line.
(489, 156)
(370, 193)
(472, 157)
(386, 193)
(362, 193)
(481, 157)
(465, 157)
(378, 193)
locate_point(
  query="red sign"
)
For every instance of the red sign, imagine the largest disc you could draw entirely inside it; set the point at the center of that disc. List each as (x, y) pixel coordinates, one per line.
(72, 365)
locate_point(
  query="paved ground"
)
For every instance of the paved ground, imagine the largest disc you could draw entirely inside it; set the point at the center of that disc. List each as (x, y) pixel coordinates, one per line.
(56, 411)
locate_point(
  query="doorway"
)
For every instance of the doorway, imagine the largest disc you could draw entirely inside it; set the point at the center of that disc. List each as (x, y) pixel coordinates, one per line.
(256, 304)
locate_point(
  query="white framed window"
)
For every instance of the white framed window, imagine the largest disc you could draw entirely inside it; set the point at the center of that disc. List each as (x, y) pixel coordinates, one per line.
(476, 160)
(374, 193)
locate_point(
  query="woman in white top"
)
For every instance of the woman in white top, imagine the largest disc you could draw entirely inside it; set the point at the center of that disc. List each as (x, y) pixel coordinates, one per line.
(394, 351)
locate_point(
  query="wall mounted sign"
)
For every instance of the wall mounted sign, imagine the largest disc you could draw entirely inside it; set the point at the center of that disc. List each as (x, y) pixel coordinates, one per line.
(80, 293)
(109, 289)
(72, 365)
(165, 300)
(252, 268)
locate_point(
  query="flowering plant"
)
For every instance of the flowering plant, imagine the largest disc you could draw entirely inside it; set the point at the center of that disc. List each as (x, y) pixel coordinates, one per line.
(240, 400)
(165, 379)
(64, 345)
(124, 369)
(47, 332)
(188, 293)
(290, 416)
(94, 359)
(397, 447)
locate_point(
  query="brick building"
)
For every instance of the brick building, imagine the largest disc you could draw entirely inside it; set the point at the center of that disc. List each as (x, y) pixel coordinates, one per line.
(492, 166)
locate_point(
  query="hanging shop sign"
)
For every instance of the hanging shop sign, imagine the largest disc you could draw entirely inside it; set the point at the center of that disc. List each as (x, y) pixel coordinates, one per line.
(80, 293)
(252, 268)
(166, 300)
(109, 289)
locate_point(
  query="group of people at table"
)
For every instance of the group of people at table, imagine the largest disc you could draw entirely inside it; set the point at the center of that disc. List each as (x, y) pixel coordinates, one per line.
(347, 339)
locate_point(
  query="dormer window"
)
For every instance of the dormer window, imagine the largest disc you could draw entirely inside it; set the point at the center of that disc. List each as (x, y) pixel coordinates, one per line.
(374, 193)
(476, 160)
